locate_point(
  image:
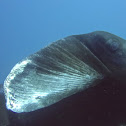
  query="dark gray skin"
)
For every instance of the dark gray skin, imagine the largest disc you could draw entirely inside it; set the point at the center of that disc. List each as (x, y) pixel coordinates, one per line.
(4, 121)
(111, 51)
(109, 48)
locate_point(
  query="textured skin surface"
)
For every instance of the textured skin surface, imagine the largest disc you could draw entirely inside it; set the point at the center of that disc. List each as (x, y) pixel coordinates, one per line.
(50, 75)
(101, 105)
(63, 68)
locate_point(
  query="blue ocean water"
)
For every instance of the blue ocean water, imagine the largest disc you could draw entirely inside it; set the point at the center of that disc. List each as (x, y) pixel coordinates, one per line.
(27, 26)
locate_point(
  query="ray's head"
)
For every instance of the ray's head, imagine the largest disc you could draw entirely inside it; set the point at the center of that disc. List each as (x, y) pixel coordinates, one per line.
(109, 48)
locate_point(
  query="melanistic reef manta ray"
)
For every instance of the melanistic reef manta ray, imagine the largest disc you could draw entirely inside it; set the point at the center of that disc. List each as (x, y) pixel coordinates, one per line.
(65, 67)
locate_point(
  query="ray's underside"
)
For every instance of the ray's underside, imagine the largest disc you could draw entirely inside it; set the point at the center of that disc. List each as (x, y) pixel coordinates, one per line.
(46, 77)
